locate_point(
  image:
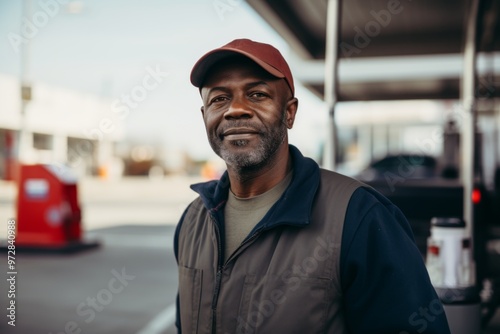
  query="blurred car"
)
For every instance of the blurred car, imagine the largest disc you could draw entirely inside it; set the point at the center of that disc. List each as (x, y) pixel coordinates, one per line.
(408, 166)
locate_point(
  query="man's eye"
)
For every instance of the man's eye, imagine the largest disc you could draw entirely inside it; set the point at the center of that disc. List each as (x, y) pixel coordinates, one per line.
(218, 99)
(258, 95)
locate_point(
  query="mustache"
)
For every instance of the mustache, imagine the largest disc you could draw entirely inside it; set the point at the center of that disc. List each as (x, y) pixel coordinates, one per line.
(239, 124)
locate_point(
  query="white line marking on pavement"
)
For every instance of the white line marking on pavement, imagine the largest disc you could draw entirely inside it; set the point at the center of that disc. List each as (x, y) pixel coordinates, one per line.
(161, 322)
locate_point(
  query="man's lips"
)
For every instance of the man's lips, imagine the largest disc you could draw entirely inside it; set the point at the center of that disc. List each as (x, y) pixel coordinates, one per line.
(238, 133)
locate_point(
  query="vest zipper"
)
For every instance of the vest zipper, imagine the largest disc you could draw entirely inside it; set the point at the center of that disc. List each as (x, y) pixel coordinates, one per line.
(218, 277)
(246, 241)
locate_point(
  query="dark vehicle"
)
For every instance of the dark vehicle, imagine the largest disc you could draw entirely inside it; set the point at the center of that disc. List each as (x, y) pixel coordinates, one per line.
(408, 166)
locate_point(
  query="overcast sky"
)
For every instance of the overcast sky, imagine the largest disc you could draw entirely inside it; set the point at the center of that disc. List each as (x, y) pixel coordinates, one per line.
(108, 47)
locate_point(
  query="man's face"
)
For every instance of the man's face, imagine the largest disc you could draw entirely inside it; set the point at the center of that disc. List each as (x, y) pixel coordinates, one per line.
(246, 112)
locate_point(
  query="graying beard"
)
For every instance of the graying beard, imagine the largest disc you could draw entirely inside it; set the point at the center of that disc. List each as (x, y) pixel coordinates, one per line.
(250, 159)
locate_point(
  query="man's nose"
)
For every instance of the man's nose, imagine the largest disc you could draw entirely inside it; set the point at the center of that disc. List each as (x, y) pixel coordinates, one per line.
(238, 109)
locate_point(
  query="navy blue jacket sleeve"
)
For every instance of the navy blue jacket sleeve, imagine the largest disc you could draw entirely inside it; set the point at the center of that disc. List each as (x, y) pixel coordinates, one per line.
(386, 286)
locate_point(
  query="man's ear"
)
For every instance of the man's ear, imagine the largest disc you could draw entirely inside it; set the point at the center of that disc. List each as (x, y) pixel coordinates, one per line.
(291, 110)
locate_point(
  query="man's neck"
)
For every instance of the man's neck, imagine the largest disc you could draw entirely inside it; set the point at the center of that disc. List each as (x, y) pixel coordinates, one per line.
(252, 182)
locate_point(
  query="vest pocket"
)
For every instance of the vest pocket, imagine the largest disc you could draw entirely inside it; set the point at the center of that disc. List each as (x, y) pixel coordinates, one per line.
(279, 304)
(189, 298)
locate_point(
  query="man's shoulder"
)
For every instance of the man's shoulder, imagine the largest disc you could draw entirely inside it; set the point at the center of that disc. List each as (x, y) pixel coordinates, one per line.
(357, 193)
(195, 206)
(334, 179)
(194, 214)
(335, 193)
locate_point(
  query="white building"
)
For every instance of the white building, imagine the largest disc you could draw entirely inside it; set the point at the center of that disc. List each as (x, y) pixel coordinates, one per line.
(61, 126)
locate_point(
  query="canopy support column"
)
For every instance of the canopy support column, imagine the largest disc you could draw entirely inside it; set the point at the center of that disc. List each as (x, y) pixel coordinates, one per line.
(331, 80)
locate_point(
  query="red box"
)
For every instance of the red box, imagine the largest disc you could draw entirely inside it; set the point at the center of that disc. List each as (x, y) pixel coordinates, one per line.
(48, 212)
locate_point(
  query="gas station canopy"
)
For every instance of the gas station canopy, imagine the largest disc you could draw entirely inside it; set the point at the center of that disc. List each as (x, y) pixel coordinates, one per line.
(401, 30)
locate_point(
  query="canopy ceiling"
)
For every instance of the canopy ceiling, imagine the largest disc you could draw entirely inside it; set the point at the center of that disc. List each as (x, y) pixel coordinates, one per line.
(385, 28)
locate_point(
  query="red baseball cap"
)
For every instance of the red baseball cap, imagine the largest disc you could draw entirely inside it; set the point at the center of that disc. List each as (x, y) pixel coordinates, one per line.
(265, 55)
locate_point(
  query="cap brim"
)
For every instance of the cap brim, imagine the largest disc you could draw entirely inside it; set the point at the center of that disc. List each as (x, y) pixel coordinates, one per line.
(204, 64)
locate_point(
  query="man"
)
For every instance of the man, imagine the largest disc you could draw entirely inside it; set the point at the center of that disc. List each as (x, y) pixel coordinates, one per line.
(278, 245)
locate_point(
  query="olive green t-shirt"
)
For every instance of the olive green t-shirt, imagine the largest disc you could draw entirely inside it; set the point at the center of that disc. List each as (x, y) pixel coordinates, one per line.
(242, 214)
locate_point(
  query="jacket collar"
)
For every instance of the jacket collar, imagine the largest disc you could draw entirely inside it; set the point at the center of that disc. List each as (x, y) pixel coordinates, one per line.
(292, 208)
